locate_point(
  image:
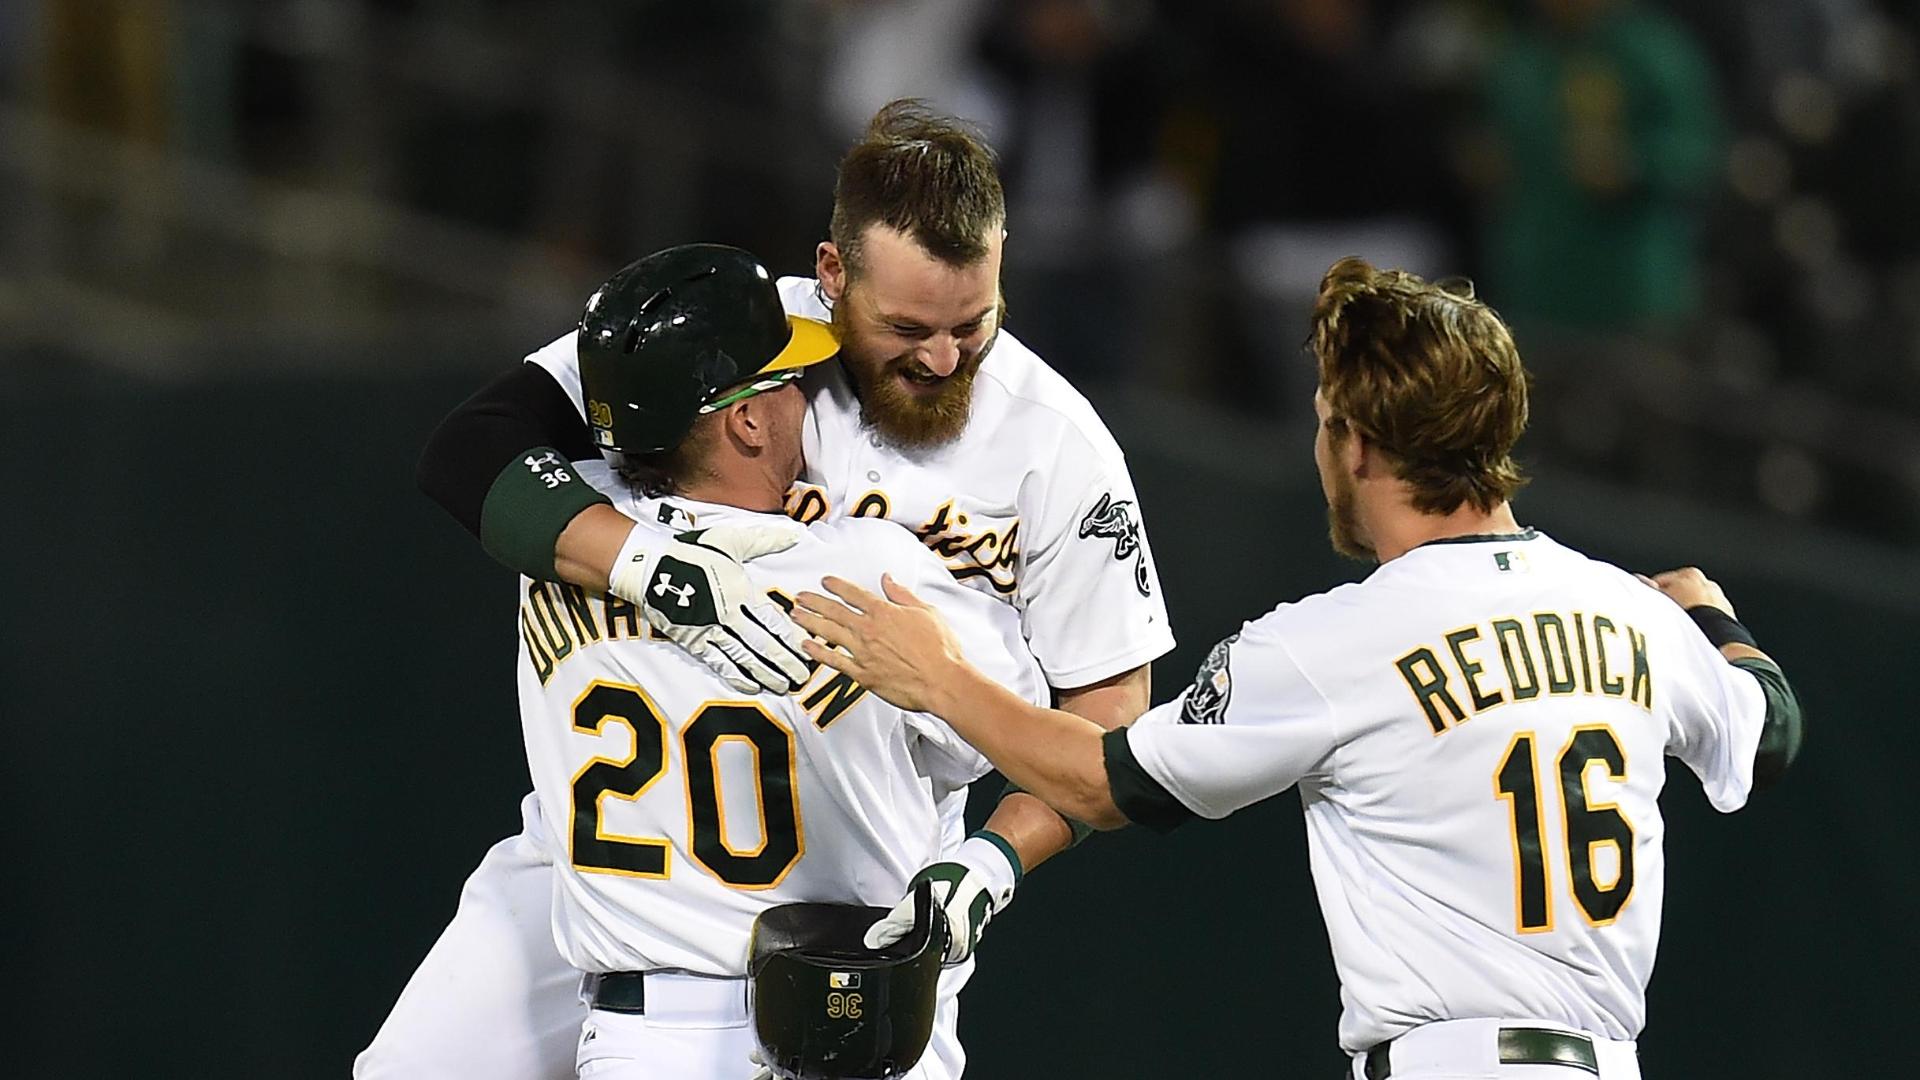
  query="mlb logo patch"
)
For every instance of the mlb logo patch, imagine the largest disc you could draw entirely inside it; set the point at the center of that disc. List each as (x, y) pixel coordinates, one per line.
(1510, 562)
(674, 517)
(843, 980)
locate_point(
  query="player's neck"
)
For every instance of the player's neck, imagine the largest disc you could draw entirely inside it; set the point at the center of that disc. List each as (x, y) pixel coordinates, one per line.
(747, 488)
(1400, 528)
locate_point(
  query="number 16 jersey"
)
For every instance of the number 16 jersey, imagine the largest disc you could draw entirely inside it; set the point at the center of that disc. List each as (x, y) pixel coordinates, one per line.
(1479, 733)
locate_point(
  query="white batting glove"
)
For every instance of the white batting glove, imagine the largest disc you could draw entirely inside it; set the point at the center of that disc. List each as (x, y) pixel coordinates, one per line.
(695, 592)
(970, 888)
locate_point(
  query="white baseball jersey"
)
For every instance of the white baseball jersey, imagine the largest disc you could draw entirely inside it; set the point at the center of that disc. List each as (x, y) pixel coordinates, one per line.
(1032, 503)
(1478, 731)
(679, 809)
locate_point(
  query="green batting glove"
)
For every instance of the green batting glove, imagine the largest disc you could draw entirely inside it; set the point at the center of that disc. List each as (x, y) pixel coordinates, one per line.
(969, 889)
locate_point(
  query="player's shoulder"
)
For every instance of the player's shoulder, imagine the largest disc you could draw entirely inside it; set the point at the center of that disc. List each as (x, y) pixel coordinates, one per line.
(1313, 616)
(875, 545)
(802, 296)
(1018, 389)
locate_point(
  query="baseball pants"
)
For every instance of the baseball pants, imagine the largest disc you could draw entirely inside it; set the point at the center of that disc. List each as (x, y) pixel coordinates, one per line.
(493, 1000)
(1468, 1050)
(697, 1027)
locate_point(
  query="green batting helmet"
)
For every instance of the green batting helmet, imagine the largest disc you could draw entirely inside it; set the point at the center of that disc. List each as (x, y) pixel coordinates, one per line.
(667, 337)
(826, 1007)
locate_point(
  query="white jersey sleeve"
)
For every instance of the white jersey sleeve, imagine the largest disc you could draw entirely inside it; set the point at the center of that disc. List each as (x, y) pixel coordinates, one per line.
(1090, 592)
(1717, 715)
(1250, 726)
(560, 358)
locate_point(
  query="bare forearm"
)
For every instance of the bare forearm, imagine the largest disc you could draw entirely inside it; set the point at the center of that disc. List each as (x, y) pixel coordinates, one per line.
(584, 553)
(1053, 755)
(1035, 830)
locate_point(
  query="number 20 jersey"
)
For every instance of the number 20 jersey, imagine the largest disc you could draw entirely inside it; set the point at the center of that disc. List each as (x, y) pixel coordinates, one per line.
(1479, 733)
(679, 808)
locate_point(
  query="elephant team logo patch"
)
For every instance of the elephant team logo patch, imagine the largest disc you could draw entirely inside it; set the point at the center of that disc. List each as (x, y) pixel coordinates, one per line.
(1212, 687)
(1112, 519)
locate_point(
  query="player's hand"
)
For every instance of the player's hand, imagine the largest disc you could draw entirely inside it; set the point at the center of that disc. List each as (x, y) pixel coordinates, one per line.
(696, 593)
(969, 890)
(896, 646)
(1690, 588)
(761, 1070)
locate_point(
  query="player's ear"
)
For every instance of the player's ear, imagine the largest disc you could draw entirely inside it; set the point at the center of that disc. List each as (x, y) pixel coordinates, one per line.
(746, 422)
(831, 270)
(1360, 456)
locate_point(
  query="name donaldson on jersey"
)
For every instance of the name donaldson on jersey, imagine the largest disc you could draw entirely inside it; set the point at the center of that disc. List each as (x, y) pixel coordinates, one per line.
(558, 622)
(1545, 652)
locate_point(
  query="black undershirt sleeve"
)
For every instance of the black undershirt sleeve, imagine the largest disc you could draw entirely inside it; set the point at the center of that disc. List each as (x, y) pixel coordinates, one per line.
(499, 464)
(1144, 800)
(1784, 728)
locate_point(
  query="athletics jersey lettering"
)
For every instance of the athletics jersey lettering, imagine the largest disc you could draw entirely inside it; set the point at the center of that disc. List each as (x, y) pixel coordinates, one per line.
(989, 556)
(1461, 679)
(992, 555)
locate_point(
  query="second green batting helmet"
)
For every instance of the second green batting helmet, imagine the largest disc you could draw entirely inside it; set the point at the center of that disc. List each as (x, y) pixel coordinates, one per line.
(669, 335)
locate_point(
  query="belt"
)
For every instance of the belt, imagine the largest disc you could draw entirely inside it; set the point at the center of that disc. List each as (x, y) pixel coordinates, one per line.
(669, 994)
(1518, 1046)
(618, 991)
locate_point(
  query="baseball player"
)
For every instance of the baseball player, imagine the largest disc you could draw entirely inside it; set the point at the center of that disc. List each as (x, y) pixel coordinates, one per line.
(1478, 730)
(936, 419)
(686, 808)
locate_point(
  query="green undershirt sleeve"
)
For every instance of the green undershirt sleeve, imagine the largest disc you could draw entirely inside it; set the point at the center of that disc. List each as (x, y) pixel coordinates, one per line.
(529, 505)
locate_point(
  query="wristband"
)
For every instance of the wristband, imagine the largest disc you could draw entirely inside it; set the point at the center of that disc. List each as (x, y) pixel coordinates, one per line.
(627, 578)
(1720, 627)
(1006, 848)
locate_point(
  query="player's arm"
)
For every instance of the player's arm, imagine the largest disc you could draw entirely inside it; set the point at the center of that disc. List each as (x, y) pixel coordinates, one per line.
(1783, 725)
(1093, 616)
(918, 664)
(1206, 754)
(501, 464)
(1035, 831)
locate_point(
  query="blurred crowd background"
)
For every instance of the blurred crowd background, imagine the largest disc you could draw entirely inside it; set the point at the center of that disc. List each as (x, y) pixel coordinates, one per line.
(257, 691)
(1696, 213)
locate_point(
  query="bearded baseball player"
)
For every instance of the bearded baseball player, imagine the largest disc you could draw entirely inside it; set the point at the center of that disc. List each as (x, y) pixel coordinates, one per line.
(692, 807)
(934, 418)
(1478, 730)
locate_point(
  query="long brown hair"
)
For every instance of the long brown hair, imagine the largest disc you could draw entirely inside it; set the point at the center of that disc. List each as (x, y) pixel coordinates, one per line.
(1430, 375)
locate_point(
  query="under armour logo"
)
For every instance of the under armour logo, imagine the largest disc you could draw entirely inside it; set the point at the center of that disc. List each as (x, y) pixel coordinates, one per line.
(665, 587)
(535, 464)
